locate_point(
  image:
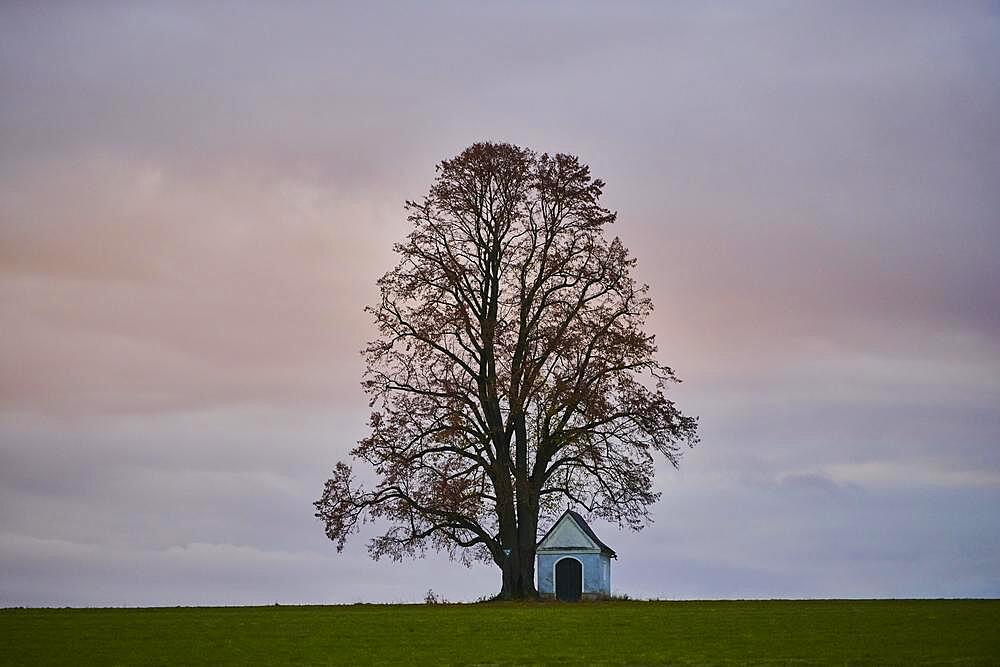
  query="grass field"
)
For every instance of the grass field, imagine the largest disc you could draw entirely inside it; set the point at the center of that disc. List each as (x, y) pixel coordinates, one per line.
(952, 632)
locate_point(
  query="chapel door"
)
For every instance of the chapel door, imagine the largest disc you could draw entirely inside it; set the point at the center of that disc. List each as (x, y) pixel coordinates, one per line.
(569, 579)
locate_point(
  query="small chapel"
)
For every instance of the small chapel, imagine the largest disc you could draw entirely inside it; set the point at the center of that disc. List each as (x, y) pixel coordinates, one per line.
(573, 563)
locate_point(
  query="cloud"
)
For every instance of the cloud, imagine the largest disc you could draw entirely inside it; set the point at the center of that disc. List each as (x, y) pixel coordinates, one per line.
(196, 201)
(137, 288)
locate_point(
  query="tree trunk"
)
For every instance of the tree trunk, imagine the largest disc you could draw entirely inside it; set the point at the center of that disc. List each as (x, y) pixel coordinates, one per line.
(519, 567)
(521, 514)
(519, 575)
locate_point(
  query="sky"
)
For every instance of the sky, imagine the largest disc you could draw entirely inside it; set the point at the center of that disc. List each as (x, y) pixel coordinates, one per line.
(197, 199)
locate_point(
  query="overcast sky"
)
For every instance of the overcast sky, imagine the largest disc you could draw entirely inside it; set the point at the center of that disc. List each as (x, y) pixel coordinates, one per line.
(196, 201)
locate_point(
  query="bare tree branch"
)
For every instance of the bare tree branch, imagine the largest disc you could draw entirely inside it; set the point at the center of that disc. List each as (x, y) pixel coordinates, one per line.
(511, 371)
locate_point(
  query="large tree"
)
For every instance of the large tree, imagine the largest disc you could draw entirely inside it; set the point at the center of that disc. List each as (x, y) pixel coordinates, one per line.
(511, 375)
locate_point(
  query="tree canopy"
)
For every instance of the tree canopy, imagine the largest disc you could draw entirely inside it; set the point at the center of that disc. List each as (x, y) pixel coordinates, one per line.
(511, 374)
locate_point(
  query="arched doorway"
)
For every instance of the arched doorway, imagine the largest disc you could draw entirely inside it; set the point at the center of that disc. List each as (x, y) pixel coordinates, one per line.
(569, 579)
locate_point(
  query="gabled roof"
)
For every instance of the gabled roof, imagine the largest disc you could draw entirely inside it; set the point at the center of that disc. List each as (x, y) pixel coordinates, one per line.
(582, 524)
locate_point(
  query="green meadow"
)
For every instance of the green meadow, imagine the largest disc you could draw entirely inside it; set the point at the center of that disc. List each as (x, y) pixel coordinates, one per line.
(828, 632)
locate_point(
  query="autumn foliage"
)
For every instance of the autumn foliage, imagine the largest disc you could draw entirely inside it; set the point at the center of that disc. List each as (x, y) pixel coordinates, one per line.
(511, 374)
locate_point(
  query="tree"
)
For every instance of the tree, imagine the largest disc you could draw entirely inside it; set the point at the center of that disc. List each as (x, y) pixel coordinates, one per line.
(511, 374)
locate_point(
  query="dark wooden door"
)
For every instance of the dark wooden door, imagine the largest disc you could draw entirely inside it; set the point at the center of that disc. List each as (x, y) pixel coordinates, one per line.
(569, 579)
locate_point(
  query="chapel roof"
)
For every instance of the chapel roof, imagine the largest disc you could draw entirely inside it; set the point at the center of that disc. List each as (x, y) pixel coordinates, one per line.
(583, 526)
